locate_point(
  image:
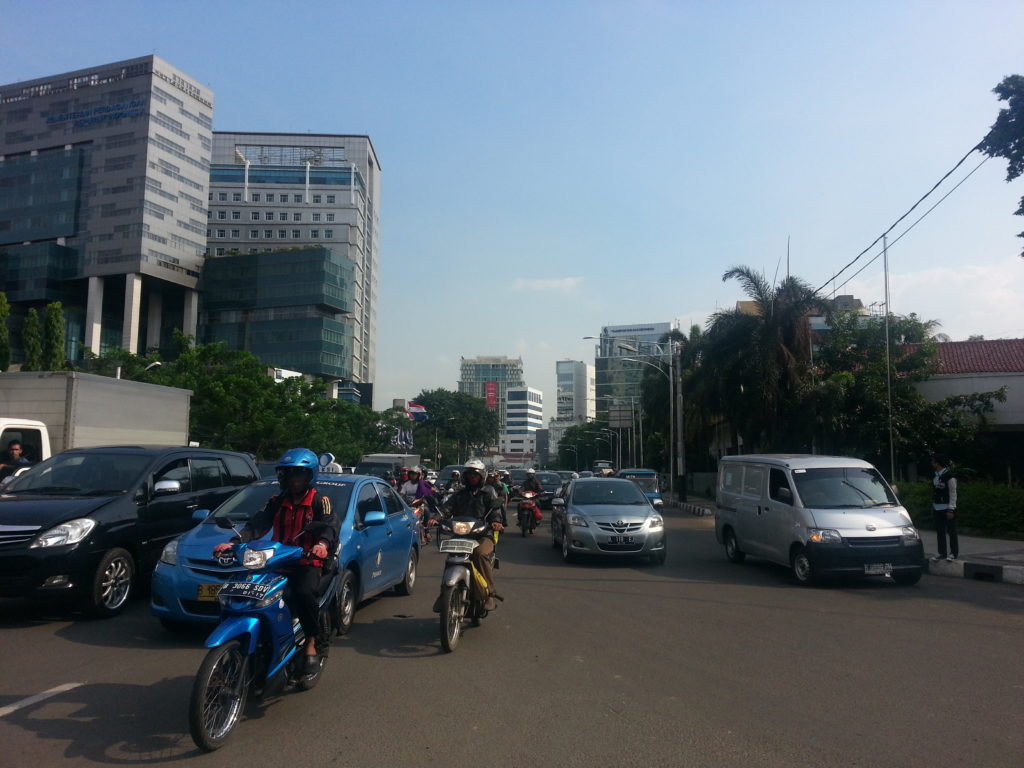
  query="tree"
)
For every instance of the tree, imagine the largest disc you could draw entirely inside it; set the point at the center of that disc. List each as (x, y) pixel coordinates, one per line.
(53, 337)
(1006, 137)
(5, 337)
(31, 342)
(456, 422)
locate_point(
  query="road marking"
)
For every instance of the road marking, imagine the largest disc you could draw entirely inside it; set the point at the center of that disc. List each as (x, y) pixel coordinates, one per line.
(4, 711)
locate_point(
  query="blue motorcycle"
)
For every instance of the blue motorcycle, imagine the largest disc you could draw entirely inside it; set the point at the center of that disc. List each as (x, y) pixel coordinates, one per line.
(257, 646)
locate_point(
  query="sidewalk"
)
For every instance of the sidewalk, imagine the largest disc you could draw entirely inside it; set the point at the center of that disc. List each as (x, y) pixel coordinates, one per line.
(997, 560)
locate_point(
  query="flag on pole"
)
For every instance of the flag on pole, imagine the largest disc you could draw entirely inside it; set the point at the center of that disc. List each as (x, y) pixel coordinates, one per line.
(416, 412)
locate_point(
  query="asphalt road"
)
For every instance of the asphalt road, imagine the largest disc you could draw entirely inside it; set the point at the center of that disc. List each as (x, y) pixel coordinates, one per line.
(696, 663)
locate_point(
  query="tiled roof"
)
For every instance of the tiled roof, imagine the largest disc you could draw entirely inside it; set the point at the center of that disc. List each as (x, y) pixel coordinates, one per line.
(995, 356)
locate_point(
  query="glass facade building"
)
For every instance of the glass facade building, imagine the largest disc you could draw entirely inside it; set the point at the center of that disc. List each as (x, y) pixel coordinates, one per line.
(489, 378)
(617, 376)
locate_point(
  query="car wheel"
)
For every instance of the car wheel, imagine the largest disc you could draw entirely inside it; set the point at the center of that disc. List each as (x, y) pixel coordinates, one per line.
(405, 586)
(907, 579)
(658, 557)
(733, 553)
(554, 536)
(568, 556)
(800, 564)
(111, 584)
(346, 602)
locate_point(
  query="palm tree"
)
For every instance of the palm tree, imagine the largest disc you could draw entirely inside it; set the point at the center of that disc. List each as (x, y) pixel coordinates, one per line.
(756, 360)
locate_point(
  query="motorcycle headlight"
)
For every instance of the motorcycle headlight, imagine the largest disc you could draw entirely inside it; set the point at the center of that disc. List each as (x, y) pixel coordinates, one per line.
(824, 536)
(655, 521)
(256, 558)
(910, 534)
(579, 521)
(170, 553)
(461, 527)
(71, 532)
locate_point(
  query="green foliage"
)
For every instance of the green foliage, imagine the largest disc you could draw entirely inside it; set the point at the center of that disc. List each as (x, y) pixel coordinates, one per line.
(986, 509)
(53, 337)
(31, 341)
(5, 337)
(1006, 137)
(457, 425)
(589, 443)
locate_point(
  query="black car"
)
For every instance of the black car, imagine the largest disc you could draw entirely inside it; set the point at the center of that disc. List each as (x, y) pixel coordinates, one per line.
(552, 485)
(88, 522)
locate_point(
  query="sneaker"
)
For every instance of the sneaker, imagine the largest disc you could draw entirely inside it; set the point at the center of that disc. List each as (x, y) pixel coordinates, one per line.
(312, 664)
(951, 558)
(937, 558)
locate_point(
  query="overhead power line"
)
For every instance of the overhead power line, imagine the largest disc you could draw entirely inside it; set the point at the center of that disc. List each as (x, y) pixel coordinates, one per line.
(924, 197)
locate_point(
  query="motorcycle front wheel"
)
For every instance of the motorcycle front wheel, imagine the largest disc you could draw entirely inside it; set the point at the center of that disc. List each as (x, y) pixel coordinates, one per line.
(218, 696)
(453, 611)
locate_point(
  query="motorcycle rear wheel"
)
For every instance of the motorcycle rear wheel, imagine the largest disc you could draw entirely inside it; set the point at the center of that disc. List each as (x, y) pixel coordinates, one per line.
(218, 696)
(453, 611)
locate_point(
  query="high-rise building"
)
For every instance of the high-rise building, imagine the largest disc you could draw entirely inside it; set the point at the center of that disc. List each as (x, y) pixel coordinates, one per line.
(617, 374)
(103, 190)
(524, 415)
(489, 378)
(575, 398)
(275, 191)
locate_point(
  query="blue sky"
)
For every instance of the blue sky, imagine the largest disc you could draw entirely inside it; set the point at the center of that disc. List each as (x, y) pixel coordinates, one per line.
(553, 167)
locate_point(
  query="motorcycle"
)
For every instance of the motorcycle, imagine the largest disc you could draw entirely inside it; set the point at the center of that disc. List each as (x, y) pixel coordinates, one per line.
(257, 646)
(463, 587)
(529, 514)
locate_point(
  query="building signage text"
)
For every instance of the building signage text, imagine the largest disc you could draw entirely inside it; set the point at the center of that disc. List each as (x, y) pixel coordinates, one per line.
(101, 114)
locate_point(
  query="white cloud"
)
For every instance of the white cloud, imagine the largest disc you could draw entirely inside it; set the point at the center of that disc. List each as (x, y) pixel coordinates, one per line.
(560, 284)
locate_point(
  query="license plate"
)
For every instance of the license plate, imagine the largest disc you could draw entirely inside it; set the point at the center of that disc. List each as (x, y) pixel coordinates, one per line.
(245, 589)
(209, 591)
(620, 539)
(878, 569)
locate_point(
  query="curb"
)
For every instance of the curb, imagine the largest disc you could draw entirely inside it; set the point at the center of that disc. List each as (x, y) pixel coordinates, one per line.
(979, 571)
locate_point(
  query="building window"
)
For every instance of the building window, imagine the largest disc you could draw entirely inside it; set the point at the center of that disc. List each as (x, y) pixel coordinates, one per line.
(254, 250)
(268, 233)
(316, 217)
(282, 216)
(328, 233)
(220, 251)
(222, 215)
(330, 217)
(296, 217)
(314, 233)
(254, 234)
(236, 233)
(254, 215)
(296, 198)
(270, 197)
(222, 196)
(209, 233)
(210, 196)
(220, 233)
(330, 199)
(236, 215)
(296, 234)
(255, 197)
(316, 198)
(282, 233)
(236, 197)
(270, 216)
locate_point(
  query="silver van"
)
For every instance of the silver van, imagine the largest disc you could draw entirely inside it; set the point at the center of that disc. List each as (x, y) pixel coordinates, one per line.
(820, 515)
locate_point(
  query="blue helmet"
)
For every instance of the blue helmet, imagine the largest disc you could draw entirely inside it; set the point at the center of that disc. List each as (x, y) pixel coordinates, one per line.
(300, 458)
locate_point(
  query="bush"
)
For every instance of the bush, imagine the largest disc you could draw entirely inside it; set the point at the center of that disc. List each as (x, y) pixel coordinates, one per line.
(983, 508)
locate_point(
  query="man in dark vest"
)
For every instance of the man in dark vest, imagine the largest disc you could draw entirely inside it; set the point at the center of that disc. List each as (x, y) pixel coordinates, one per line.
(944, 507)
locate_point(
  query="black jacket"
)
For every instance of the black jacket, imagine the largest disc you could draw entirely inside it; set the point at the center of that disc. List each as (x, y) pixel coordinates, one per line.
(480, 502)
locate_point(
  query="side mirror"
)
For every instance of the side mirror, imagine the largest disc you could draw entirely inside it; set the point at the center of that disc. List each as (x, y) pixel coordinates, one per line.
(658, 502)
(557, 502)
(166, 487)
(199, 515)
(377, 517)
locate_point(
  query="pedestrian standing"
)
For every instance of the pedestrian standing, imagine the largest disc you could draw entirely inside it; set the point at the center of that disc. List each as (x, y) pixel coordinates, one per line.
(944, 508)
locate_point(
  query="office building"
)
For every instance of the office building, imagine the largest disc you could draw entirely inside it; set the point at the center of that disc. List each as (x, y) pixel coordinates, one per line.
(103, 190)
(274, 191)
(489, 378)
(618, 375)
(575, 398)
(524, 415)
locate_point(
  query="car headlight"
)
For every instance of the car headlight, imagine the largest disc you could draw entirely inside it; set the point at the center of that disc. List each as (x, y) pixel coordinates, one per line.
(256, 558)
(910, 534)
(71, 532)
(170, 553)
(824, 536)
(655, 522)
(579, 521)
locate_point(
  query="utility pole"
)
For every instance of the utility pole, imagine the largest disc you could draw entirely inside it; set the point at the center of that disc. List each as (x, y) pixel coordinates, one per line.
(677, 368)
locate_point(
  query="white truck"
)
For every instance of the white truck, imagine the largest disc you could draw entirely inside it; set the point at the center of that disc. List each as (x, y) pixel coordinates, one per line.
(51, 411)
(380, 464)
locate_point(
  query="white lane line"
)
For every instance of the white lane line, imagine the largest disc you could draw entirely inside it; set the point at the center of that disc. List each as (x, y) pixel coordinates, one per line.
(4, 711)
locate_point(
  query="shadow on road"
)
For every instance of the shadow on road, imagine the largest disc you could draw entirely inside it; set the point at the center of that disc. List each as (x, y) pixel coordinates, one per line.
(114, 724)
(401, 636)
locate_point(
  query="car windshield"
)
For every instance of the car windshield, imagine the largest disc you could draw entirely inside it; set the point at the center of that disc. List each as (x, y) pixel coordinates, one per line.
(646, 484)
(842, 488)
(83, 474)
(240, 508)
(607, 492)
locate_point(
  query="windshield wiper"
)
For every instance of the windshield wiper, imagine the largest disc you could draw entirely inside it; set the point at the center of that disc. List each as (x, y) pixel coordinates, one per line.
(47, 489)
(103, 491)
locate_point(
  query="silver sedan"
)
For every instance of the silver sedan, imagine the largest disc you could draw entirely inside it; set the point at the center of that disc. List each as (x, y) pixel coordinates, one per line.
(607, 516)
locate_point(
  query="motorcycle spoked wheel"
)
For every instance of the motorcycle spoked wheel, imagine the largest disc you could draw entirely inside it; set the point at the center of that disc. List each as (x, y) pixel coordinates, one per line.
(218, 696)
(524, 523)
(305, 682)
(453, 611)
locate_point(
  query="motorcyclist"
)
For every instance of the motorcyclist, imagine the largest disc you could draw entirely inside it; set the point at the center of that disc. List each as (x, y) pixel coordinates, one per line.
(415, 487)
(494, 480)
(531, 483)
(455, 483)
(298, 515)
(479, 500)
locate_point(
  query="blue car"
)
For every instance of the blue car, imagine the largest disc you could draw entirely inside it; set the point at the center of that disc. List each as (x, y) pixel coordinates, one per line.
(647, 479)
(374, 557)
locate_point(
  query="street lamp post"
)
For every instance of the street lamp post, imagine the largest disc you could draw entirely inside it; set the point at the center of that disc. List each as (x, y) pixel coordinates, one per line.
(575, 453)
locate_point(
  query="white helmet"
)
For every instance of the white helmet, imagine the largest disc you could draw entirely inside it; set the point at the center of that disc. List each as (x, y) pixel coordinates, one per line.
(475, 465)
(531, 471)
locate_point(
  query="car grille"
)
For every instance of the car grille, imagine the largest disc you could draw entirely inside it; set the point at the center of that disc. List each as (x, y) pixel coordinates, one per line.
(620, 547)
(624, 528)
(201, 607)
(874, 541)
(212, 569)
(12, 535)
(14, 586)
